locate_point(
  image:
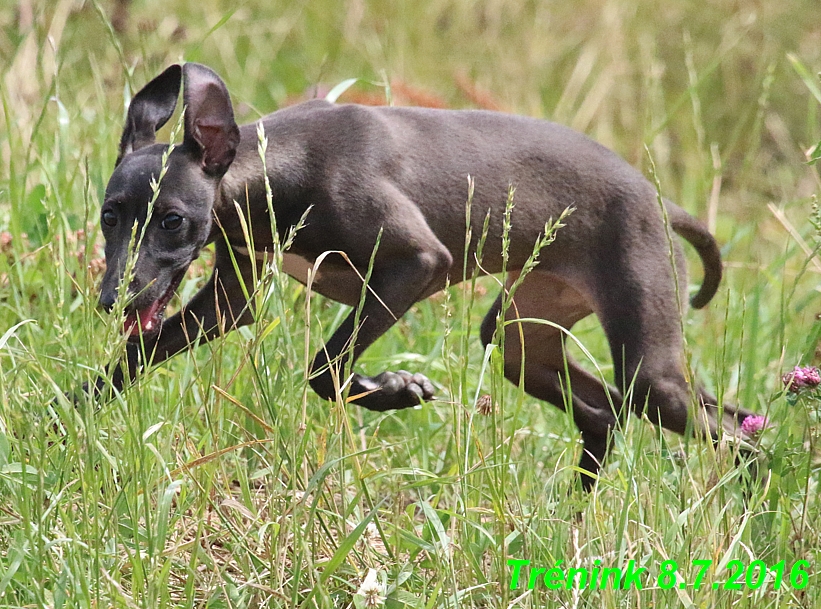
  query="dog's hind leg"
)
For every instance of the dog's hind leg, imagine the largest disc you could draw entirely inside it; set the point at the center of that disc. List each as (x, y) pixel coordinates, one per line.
(731, 415)
(549, 373)
(642, 320)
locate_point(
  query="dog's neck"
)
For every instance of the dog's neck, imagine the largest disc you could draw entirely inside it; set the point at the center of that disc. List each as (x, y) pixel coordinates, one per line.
(243, 184)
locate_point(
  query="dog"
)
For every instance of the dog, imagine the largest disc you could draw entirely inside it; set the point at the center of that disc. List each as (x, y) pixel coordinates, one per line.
(353, 176)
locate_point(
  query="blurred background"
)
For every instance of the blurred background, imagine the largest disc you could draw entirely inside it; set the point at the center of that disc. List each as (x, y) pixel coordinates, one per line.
(702, 83)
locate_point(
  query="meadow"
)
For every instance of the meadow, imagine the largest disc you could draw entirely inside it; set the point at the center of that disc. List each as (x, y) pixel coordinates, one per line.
(220, 480)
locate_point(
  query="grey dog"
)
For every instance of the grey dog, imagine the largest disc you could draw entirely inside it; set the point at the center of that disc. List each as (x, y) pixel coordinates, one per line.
(361, 172)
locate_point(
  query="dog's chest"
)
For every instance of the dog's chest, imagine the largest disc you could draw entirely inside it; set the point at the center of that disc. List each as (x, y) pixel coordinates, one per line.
(293, 264)
(331, 275)
(299, 268)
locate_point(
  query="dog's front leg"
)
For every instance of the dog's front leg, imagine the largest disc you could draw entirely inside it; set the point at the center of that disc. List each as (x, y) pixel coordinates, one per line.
(393, 288)
(218, 307)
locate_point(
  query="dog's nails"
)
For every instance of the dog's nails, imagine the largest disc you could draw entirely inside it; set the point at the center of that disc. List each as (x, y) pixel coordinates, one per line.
(428, 390)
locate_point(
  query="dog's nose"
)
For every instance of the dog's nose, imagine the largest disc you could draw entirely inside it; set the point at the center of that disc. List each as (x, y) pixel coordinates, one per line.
(107, 300)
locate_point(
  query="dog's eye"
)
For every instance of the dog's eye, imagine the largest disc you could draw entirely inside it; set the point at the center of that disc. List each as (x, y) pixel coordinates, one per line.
(109, 218)
(171, 222)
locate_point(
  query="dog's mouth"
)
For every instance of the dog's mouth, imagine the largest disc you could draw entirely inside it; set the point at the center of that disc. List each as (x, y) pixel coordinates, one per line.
(147, 321)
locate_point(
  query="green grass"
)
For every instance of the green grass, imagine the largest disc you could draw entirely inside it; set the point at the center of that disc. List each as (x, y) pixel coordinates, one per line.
(219, 480)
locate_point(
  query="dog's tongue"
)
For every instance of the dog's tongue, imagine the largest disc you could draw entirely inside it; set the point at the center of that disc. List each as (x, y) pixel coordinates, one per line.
(148, 317)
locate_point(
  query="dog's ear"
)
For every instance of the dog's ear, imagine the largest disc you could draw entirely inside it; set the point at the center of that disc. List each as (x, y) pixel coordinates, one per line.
(150, 109)
(211, 134)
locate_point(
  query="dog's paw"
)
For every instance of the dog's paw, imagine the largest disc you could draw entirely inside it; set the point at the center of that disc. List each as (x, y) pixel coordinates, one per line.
(74, 397)
(391, 390)
(101, 389)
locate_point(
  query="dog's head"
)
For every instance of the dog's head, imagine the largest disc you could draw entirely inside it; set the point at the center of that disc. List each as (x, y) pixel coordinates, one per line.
(181, 218)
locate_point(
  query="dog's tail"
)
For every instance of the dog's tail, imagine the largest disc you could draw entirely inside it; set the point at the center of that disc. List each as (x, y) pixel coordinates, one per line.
(700, 238)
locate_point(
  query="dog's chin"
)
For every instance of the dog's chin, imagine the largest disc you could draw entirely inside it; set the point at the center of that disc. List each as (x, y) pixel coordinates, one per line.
(148, 320)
